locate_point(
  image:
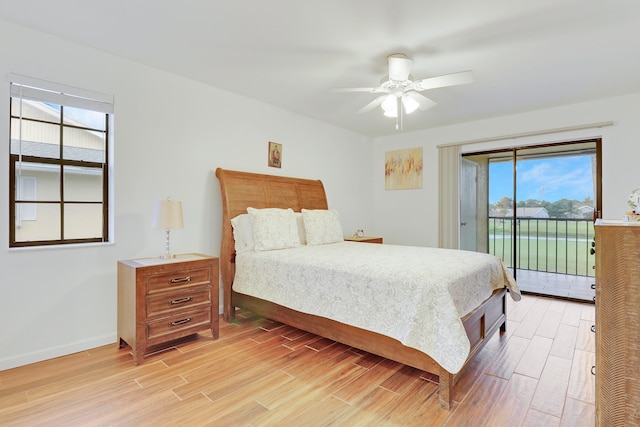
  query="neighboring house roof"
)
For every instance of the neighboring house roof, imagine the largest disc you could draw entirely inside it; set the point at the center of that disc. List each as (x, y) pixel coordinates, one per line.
(527, 212)
(39, 149)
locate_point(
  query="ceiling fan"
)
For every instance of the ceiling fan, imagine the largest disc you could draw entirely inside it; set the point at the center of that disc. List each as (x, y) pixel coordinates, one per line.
(400, 93)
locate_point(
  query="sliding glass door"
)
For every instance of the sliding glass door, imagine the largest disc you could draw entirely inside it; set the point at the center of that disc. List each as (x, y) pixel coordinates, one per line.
(534, 208)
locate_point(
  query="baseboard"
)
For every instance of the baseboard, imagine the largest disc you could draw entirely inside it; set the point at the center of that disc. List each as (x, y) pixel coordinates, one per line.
(53, 352)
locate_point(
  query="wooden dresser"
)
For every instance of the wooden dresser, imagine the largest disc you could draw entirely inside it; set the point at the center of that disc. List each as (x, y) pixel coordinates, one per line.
(162, 300)
(617, 329)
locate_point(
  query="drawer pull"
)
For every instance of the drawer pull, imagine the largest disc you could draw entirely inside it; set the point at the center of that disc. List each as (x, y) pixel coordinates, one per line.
(593, 370)
(593, 328)
(180, 279)
(180, 322)
(593, 286)
(180, 300)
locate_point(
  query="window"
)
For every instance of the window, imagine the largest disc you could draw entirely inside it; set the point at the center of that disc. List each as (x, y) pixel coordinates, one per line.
(58, 164)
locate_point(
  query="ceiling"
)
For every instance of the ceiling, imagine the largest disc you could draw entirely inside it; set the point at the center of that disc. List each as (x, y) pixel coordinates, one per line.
(524, 55)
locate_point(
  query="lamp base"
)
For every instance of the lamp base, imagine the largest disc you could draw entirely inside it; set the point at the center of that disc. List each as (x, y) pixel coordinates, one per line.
(167, 256)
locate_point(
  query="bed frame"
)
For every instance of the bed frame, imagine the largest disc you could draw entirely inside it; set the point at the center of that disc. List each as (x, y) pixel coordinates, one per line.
(243, 189)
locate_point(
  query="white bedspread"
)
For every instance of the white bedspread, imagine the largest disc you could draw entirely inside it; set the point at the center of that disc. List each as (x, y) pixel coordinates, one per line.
(416, 295)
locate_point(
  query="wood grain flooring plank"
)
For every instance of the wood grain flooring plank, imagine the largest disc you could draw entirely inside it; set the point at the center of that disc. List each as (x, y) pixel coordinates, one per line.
(549, 324)
(582, 381)
(324, 381)
(588, 312)
(506, 361)
(564, 342)
(517, 311)
(572, 315)
(318, 413)
(370, 379)
(586, 338)
(536, 418)
(304, 393)
(552, 386)
(513, 402)
(321, 344)
(529, 325)
(578, 413)
(475, 370)
(262, 386)
(198, 380)
(535, 356)
(480, 402)
(401, 379)
(417, 406)
(367, 411)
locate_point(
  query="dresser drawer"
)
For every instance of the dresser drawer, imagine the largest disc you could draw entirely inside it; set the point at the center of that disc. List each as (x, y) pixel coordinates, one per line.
(178, 325)
(178, 279)
(166, 302)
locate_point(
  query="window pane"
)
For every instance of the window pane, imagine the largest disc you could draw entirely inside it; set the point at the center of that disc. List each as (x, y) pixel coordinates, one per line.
(47, 182)
(82, 221)
(38, 139)
(82, 184)
(45, 227)
(35, 110)
(80, 144)
(84, 118)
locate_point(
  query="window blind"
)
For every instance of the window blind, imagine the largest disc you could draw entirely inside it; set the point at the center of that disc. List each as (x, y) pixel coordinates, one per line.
(44, 91)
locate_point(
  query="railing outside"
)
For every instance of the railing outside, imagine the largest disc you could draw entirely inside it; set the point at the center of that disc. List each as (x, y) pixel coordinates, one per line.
(543, 244)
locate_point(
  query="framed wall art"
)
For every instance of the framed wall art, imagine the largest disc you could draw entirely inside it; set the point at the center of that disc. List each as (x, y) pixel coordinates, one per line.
(275, 155)
(403, 169)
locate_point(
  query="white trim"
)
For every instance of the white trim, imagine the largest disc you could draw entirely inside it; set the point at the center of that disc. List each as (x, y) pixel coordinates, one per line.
(57, 351)
(532, 133)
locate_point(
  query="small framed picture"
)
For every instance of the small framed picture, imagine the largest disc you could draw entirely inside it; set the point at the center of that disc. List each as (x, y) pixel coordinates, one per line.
(275, 155)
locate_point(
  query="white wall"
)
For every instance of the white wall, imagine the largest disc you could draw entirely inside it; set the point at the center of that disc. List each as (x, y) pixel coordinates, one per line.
(411, 216)
(170, 135)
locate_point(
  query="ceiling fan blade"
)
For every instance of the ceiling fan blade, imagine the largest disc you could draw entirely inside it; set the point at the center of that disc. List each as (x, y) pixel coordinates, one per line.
(399, 67)
(424, 103)
(460, 78)
(357, 89)
(373, 104)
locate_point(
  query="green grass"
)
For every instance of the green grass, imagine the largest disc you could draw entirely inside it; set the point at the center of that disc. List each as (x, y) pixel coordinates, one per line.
(557, 246)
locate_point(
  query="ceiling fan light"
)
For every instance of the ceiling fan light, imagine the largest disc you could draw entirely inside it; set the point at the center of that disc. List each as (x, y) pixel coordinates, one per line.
(390, 105)
(410, 104)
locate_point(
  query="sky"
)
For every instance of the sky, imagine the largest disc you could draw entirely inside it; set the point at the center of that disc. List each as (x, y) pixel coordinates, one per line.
(549, 179)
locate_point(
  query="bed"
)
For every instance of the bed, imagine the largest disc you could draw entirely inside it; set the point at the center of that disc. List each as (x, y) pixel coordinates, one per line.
(268, 282)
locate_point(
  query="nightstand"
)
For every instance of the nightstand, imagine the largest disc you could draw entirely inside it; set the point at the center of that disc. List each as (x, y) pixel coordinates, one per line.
(364, 239)
(160, 300)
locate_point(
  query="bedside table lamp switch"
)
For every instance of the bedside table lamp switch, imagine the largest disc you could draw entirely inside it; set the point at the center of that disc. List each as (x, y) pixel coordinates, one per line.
(167, 214)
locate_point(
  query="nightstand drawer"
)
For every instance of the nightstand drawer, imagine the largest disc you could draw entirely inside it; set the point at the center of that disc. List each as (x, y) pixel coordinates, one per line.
(178, 325)
(178, 279)
(166, 302)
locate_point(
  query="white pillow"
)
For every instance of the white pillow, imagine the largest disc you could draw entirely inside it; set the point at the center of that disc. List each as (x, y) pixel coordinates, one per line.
(242, 233)
(322, 226)
(274, 228)
(301, 233)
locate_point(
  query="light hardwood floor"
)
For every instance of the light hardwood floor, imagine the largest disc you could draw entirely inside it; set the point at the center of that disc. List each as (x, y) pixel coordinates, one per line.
(260, 373)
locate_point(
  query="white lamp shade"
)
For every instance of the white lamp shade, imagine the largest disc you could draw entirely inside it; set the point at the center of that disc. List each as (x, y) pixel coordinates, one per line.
(410, 104)
(167, 214)
(390, 105)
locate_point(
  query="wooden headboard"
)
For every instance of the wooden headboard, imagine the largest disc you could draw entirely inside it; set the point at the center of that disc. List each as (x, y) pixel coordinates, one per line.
(241, 190)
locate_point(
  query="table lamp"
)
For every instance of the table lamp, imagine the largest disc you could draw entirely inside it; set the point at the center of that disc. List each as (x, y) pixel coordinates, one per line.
(167, 214)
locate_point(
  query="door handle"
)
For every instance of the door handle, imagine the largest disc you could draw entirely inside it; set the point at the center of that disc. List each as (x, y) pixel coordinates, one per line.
(463, 223)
